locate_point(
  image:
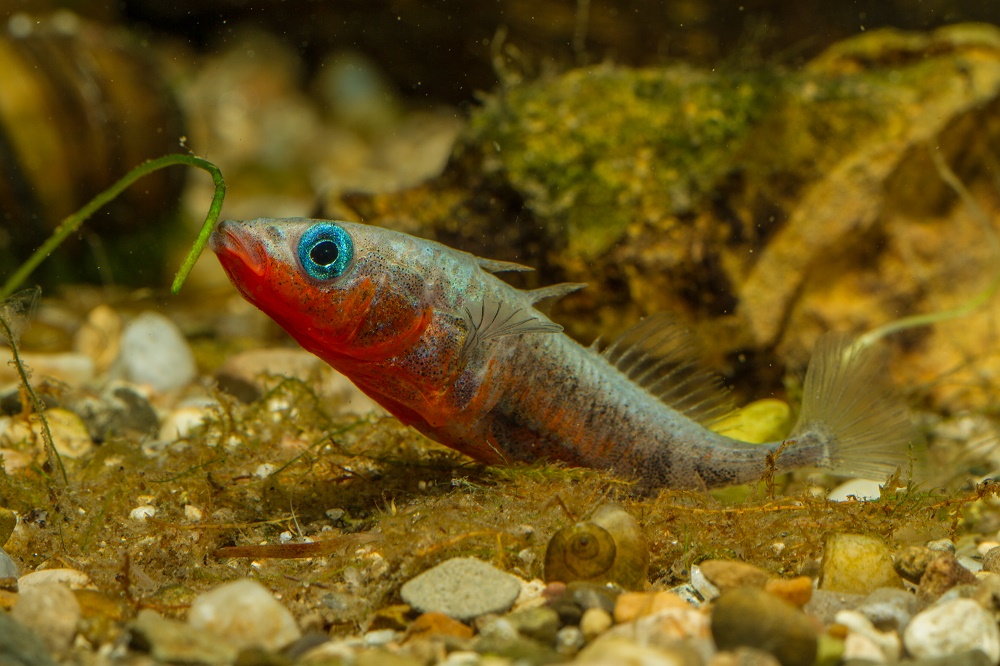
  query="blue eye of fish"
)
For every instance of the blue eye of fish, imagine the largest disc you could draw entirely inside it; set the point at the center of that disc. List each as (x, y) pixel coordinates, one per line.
(325, 251)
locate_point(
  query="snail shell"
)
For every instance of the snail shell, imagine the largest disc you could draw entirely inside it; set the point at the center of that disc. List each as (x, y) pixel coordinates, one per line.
(608, 548)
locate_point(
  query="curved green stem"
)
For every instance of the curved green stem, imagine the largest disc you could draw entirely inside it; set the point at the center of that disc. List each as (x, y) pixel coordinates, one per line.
(72, 222)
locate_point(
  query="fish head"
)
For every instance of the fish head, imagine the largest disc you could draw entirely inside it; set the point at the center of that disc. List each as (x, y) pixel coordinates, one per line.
(342, 290)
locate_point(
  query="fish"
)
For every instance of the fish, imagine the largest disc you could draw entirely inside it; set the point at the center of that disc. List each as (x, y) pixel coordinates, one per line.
(447, 347)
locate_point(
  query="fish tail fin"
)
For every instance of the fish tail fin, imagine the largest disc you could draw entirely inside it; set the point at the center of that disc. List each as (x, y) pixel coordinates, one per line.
(864, 428)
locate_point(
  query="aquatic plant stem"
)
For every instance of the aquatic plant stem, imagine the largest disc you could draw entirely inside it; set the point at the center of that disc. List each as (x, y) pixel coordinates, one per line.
(72, 222)
(974, 303)
(36, 402)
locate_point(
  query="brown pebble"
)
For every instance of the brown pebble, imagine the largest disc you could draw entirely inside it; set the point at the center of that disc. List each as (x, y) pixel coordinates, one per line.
(942, 574)
(632, 605)
(910, 562)
(434, 624)
(730, 574)
(743, 656)
(796, 591)
(991, 560)
(749, 617)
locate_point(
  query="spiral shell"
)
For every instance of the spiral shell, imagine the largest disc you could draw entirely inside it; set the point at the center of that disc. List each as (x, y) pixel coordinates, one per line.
(608, 548)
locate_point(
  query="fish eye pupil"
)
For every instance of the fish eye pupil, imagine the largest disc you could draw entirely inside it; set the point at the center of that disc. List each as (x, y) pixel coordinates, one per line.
(324, 252)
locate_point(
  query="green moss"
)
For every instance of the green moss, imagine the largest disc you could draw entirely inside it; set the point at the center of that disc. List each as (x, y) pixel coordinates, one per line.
(597, 149)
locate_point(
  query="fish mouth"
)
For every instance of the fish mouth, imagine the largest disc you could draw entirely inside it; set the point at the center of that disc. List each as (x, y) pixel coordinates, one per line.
(230, 240)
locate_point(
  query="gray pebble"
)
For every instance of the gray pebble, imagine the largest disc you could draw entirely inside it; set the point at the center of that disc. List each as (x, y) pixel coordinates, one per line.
(462, 588)
(889, 608)
(20, 646)
(8, 568)
(155, 352)
(593, 595)
(540, 623)
(825, 605)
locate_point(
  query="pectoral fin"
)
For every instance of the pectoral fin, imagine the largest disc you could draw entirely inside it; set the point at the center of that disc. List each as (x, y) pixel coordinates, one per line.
(490, 319)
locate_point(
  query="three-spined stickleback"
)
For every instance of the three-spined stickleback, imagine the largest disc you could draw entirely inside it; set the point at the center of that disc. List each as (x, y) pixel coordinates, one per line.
(431, 334)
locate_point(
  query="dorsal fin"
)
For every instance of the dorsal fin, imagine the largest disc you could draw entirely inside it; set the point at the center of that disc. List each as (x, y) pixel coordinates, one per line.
(497, 266)
(543, 297)
(660, 355)
(489, 319)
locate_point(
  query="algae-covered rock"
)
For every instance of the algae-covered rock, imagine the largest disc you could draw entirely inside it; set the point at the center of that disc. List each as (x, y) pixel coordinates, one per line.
(856, 564)
(767, 206)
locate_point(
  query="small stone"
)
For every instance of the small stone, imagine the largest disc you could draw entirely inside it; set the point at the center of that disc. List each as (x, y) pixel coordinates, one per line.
(796, 591)
(119, 411)
(433, 625)
(987, 593)
(622, 652)
(730, 574)
(462, 658)
(951, 627)
(69, 433)
(858, 625)
(631, 605)
(855, 489)
(703, 587)
(183, 421)
(540, 623)
(856, 564)
(52, 611)
(172, 641)
(941, 575)
(889, 608)
(462, 588)
(743, 656)
(8, 569)
(910, 562)
(245, 614)
(142, 512)
(100, 336)
(593, 595)
(991, 560)
(968, 658)
(569, 640)
(942, 546)
(74, 579)
(68, 367)
(154, 351)
(753, 618)
(379, 637)
(20, 645)
(595, 621)
(532, 594)
(665, 628)
(689, 593)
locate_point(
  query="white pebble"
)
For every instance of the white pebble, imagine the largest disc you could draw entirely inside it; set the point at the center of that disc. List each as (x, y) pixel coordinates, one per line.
(264, 470)
(72, 578)
(154, 351)
(192, 513)
(246, 614)
(706, 589)
(858, 625)
(954, 626)
(142, 512)
(52, 611)
(861, 489)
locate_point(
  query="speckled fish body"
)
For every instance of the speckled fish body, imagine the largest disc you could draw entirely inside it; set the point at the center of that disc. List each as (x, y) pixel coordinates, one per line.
(444, 345)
